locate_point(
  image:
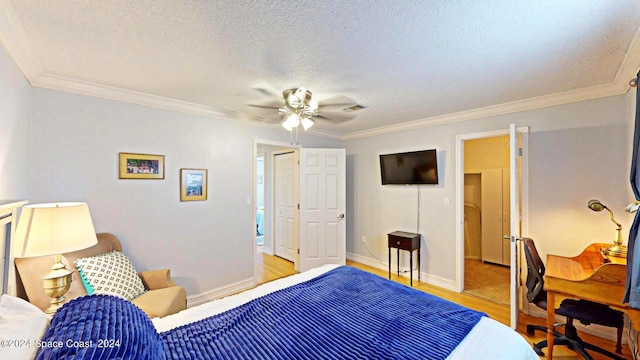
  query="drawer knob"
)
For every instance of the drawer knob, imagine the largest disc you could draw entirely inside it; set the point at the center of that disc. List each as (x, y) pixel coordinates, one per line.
(398, 243)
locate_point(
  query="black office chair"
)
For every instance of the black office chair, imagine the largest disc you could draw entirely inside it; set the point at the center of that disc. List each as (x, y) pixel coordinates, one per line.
(586, 312)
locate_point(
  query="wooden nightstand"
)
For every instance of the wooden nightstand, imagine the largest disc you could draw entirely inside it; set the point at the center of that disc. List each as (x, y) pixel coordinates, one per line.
(401, 240)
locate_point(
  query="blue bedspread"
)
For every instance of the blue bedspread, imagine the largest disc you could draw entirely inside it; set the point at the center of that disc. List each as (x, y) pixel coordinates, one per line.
(343, 314)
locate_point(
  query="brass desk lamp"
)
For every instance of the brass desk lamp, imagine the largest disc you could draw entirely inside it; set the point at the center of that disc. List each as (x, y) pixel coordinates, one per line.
(617, 250)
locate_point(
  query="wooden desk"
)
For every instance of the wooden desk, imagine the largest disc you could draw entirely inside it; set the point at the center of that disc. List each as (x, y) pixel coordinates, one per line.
(590, 276)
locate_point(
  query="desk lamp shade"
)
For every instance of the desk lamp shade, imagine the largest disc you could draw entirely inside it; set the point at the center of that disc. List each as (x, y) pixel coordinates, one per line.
(54, 229)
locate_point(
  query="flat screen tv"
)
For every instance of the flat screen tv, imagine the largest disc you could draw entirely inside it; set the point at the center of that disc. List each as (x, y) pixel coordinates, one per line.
(409, 168)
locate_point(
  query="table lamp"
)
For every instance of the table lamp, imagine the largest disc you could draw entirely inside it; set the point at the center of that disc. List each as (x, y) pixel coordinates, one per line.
(617, 249)
(54, 229)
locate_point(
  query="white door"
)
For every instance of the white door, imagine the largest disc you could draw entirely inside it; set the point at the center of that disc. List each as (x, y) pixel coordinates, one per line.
(517, 149)
(286, 200)
(322, 207)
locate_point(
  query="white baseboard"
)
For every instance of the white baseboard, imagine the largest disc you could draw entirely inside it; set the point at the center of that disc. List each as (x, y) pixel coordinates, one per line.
(207, 296)
(268, 250)
(427, 278)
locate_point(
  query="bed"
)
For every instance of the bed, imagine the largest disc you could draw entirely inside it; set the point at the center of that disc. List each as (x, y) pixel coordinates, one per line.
(332, 312)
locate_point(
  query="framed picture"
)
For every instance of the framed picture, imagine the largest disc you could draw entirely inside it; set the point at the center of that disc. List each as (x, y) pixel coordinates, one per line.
(193, 184)
(141, 166)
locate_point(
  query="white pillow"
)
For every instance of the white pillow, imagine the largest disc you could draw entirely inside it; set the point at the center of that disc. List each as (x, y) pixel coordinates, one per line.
(22, 324)
(110, 273)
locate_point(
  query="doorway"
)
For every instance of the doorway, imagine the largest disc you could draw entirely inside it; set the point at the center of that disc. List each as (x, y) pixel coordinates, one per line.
(516, 209)
(487, 218)
(265, 208)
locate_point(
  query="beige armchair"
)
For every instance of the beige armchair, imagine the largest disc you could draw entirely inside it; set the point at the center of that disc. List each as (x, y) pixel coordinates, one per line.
(163, 297)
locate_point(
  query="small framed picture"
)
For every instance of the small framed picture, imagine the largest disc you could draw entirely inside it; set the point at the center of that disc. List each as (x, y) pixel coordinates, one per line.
(193, 184)
(141, 166)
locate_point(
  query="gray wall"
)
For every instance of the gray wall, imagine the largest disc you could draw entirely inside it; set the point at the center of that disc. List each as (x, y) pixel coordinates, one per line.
(576, 152)
(207, 244)
(15, 124)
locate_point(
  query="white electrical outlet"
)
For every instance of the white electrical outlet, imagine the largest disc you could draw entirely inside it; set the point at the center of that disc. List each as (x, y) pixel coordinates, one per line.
(364, 239)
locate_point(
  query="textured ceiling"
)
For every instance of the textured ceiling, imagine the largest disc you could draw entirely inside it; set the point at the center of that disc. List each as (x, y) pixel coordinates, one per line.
(407, 61)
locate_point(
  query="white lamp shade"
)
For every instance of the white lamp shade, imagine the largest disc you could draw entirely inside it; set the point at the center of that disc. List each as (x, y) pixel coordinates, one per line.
(306, 123)
(57, 228)
(292, 121)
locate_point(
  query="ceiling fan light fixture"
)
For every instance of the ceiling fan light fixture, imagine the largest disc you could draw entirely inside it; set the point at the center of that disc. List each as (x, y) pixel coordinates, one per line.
(309, 112)
(292, 101)
(292, 121)
(301, 94)
(306, 123)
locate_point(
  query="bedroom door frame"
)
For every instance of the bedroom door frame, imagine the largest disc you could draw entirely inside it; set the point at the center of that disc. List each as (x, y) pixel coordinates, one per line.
(523, 217)
(269, 182)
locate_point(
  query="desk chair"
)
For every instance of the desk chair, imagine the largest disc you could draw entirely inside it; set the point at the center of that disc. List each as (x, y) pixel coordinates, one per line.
(586, 312)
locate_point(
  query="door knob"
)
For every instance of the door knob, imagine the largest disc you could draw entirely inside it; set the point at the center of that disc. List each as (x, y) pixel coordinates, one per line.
(341, 216)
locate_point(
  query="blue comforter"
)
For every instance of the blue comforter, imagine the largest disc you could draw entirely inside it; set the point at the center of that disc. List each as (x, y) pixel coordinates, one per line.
(343, 314)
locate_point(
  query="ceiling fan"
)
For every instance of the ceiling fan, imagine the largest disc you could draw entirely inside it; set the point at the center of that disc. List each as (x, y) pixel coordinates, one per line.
(297, 107)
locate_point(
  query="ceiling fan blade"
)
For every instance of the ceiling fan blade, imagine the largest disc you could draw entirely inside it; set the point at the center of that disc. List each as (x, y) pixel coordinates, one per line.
(264, 106)
(337, 102)
(337, 117)
(268, 104)
(271, 120)
(266, 91)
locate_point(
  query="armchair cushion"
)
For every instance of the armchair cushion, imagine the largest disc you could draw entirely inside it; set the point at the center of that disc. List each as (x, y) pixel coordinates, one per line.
(162, 302)
(156, 279)
(110, 273)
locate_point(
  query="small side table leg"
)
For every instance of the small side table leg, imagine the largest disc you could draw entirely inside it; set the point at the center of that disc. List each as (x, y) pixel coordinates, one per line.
(419, 271)
(398, 257)
(389, 263)
(411, 268)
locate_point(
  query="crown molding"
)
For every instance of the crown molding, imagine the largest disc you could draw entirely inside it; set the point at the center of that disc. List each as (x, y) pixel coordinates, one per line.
(57, 82)
(627, 71)
(495, 110)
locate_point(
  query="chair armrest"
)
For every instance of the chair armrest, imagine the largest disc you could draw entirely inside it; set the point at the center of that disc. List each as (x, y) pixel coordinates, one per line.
(156, 279)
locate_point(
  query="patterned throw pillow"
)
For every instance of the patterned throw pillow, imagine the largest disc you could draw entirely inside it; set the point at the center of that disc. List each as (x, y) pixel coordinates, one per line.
(110, 273)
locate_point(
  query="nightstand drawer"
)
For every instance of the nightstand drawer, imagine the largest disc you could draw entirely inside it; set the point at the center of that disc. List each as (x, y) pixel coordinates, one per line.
(400, 243)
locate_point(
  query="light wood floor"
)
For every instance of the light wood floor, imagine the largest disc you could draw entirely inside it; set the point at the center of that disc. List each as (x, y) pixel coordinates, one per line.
(273, 267)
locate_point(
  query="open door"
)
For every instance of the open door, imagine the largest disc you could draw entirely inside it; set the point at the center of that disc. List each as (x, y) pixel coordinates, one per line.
(322, 207)
(517, 144)
(286, 205)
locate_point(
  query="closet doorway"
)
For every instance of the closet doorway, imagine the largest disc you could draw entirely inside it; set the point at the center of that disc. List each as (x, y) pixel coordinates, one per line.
(492, 170)
(487, 218)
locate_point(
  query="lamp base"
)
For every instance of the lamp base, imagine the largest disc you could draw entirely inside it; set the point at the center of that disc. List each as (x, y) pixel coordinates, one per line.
(616, 250)
(56, 284)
